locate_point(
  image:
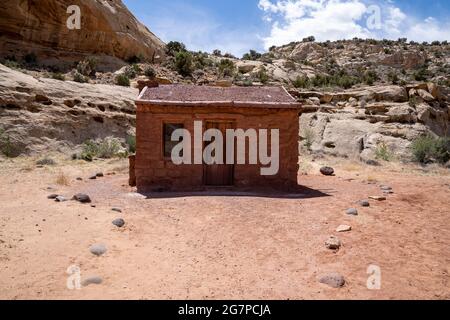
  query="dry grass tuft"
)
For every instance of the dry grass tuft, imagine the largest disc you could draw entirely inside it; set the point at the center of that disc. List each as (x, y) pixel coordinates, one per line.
(62, 179)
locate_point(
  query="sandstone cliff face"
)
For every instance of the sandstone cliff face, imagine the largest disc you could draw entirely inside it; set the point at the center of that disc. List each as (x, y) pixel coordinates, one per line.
(108, 30)
(42, 114)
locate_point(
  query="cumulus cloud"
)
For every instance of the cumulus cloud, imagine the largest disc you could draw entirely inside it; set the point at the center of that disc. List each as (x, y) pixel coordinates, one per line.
(293, 20)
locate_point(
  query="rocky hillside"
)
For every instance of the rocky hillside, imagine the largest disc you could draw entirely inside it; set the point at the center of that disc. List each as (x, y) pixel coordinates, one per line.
(39, 114)
(37, 30)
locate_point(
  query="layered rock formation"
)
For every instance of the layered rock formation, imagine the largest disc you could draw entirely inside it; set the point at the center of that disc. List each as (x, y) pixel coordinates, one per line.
(108, 31)
(361, 123)
(38, 115)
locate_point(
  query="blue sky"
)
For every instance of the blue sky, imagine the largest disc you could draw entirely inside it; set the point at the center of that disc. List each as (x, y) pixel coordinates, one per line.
(236, 26)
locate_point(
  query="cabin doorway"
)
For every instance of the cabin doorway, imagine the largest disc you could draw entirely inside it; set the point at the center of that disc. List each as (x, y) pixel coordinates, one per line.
(219, 174)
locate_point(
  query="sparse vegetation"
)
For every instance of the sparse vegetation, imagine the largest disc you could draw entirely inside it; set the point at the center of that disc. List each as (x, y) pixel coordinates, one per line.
(150, 72)
(6, 146)
(308, 137)
(87, 67)
(131, 143)
(62, 179)
(431, 149)
(183, 63)
(105, 149)
(58, 76)
(174, 47)
(252, 55)
(46, 162)
(123, 80)
(263, 76)
(382, 152)
(226, 67)
(78, 77)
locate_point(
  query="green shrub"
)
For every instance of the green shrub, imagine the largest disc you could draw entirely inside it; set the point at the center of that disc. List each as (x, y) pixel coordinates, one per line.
(150, 72)
(132, 71)
(131, 143)
(308, 138)
(122, 80)
(105, 149)
(252, 55)
(87, 67)
(58, 76)
(263, 76)
(183, 63)
(382, 152)
(301, 82)
(78, 77)
(428, 149)
(174, 47)
(12, 64)
(421, 75)
(226, 67)
(6, 146)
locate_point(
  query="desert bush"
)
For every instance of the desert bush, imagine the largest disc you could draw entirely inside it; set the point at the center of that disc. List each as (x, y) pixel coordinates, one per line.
(105, 149)
(122, 80)
(58, 76)
(309, 39)
(263, 76)
(382, 152)
(183, 63)
(12, 64)
(308, 138)
(46, 162)
(429, 149)
(301, 82)
(87, 66)
(369, 77)
(78, 77)
(421, 74)
(174, 47)
(226, 67)
(150, 72)
(6, 146)
(252, 55)
(131, 143)
(393, 78)
(132, 71)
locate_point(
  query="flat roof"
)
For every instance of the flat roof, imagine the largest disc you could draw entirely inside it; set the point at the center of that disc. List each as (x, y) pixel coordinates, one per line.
(192, 95)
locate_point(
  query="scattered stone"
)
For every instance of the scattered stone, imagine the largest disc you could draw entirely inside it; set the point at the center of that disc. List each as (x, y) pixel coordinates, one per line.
(99, 174)
(327, 171)
(352, 211)
(385, 188)
(364, 203)
(60, 199)
(81, 197)
(91, 280)
(343, 228)
(378, 198)
(52, 196)
(80, 179)
(117, 210)
(388, 192)
(119, 222)
(98, 249)
(93, 177)
(333, 243)
(334, 280)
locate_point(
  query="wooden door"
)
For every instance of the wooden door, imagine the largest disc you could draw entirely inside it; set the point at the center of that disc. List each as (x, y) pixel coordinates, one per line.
(219, 174)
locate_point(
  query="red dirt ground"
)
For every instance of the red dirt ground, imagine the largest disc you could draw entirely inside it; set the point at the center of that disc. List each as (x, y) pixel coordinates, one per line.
(224, 246)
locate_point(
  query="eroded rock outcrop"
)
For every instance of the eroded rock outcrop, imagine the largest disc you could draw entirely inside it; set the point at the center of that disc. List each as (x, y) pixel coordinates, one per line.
(45, 114)
(108, 31)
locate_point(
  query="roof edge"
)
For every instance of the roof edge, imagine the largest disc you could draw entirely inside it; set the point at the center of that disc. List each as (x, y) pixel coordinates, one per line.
(242, 104)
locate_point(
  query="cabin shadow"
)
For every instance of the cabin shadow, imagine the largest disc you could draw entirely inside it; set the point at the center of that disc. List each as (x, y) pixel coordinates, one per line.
(300, 192)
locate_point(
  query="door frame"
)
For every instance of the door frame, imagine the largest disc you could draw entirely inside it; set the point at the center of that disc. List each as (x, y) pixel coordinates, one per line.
(205, 166)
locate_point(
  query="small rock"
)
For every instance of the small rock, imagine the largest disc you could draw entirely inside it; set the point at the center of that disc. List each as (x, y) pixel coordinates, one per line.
(91, 280)
(116, 210)
(93, 177)
(388, 192)
(98, 249)
(333, 243)
(385, 188)
(327, 171)
(99, 174)
(343, 228)
(60, 199)
(378, 198)
(334, 280)
(364, 203)
(352, 211)
(80, 179)
(119, 222)
(52, 196)
(83, 198)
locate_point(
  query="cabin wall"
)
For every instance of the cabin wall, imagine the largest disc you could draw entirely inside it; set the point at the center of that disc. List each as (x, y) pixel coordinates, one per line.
(154, 172)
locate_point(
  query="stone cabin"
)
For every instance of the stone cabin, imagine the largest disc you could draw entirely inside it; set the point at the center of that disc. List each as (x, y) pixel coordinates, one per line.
(165, 108)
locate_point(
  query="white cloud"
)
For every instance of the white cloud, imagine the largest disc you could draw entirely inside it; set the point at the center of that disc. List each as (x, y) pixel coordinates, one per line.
(293, 20)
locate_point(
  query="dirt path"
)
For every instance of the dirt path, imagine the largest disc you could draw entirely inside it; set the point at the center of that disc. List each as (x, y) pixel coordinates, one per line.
(235, 246)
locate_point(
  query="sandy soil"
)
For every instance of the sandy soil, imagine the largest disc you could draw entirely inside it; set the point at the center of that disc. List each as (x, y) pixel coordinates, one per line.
(223, 245)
